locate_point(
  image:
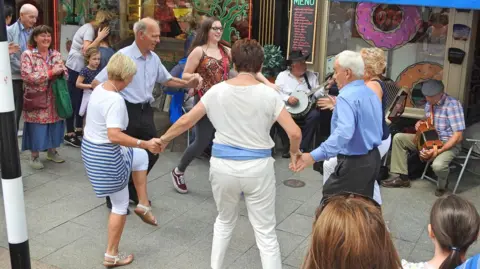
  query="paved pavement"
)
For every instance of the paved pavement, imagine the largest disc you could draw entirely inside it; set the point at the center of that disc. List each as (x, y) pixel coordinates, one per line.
(67, 223)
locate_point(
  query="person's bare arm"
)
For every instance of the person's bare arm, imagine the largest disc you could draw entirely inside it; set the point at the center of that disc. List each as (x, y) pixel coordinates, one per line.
(185, 122)
(116, 136)
(82, 85)
(456, 138)
(192, 63)
(102, 33)
(291, 128)
(181, 83)
(376, 88)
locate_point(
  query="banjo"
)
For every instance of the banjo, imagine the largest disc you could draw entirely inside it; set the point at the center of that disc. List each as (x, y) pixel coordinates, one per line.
(305, 102)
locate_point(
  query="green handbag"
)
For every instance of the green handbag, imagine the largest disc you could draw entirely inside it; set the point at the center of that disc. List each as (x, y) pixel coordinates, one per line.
(62, 98)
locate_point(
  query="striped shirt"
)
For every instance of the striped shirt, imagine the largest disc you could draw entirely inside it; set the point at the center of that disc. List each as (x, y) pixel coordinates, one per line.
(448, 117)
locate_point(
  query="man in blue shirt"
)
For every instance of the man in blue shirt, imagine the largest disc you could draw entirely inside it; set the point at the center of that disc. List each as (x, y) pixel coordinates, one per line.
(19, 34)
(138, 94)
(356, 132)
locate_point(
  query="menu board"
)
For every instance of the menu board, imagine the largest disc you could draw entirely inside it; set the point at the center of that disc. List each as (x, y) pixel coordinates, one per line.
(302, 27)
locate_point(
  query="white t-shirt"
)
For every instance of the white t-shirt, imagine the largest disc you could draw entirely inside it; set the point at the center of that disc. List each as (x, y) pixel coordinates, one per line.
(419, 265)
(75, 60)
(242, 117)
(106, 109)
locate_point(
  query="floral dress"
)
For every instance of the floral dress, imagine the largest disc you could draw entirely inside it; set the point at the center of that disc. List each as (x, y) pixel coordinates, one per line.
(37, 75)
(43, 128)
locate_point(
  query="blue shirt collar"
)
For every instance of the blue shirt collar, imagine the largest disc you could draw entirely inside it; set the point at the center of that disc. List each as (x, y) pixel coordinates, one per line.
(358, 82)
(137, 53)
(22, 27)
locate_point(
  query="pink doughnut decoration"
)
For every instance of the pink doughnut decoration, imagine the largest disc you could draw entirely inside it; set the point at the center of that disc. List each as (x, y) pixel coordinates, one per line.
(396, 38)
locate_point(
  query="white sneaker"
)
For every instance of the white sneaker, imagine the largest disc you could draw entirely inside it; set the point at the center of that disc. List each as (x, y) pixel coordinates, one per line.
(35, 163)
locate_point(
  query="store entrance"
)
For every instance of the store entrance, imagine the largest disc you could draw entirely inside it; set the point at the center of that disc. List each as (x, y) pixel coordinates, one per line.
(472, 108)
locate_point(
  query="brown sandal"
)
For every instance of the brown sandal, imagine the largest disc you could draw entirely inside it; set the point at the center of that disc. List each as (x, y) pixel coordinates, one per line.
(142, 211)
(115, 261)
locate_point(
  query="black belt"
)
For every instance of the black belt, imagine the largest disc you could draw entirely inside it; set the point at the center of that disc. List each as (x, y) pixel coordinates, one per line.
(142, 106)
(341, 156)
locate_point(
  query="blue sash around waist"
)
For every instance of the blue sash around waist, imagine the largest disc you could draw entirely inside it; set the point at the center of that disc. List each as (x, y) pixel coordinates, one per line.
(238, 153)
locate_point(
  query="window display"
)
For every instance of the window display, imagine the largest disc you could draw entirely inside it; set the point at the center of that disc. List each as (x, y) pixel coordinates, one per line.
(178, 21)
(414, 38)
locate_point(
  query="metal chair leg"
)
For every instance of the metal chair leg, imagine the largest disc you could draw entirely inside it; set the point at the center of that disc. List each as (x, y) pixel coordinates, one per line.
(425, 170)
(463, 168)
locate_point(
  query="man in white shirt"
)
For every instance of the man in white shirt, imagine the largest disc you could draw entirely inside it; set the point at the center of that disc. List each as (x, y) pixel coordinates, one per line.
(298, 78)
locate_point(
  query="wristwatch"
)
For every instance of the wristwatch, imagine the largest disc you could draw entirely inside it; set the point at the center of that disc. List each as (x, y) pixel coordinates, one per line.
(139, 142)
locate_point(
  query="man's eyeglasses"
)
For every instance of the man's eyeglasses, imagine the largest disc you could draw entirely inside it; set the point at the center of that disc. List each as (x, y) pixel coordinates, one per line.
(217, 29)
(344, 195)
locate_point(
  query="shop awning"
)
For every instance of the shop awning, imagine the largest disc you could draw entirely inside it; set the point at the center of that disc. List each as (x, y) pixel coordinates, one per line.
(460, 4)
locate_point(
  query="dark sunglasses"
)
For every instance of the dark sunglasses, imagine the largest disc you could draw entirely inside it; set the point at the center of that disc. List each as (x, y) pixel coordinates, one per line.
(344, 195)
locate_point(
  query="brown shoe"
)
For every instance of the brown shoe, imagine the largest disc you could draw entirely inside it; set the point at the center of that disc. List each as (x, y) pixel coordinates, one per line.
(439, 192)
(396, 183)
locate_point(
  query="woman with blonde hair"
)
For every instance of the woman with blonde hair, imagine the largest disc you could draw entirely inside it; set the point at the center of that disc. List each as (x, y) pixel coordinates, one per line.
(110, 155)
(88, 36)
(375, 64)
(349, 232)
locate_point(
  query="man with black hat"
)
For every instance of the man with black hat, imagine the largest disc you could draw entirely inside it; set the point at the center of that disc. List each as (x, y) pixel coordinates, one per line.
(449, 122)
(298, 78)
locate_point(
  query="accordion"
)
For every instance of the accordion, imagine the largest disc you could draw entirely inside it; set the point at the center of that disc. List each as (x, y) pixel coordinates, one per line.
(427, 136)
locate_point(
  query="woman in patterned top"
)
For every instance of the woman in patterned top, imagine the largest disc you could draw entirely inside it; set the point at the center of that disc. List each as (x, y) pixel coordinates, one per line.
(43, 128)
(454, 226)
(210, 62)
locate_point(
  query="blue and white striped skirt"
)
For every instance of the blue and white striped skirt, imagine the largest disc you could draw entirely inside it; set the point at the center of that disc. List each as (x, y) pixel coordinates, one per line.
(108, 166)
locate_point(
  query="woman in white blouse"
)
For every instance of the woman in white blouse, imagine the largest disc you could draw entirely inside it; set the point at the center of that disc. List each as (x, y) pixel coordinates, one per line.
(242, 111)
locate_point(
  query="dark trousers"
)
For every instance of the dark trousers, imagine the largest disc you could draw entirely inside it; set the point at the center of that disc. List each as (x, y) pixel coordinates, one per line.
(76, 95)
(354, 174)
(141, 126)
(17, 85)
(309, 125)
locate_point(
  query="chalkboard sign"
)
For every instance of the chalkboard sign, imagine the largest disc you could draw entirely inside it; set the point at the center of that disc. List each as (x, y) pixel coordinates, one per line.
(302, 27)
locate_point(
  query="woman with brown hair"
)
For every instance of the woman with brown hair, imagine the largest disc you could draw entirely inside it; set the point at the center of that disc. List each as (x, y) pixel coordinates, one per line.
(210, 62)
(454, 226)
(43, 128)
(242, 111)
(84, 38)
(349, 232)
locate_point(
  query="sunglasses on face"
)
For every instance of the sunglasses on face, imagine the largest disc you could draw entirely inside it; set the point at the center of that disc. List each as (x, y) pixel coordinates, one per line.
(215, 29)
(344, 195)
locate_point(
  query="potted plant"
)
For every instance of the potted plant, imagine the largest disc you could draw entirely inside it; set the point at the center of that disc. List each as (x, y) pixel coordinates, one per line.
(274, 62)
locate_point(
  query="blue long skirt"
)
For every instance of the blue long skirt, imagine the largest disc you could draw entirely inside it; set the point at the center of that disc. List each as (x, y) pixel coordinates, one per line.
(40, 137)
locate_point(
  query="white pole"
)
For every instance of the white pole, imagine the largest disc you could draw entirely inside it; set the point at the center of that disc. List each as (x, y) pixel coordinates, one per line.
(12, 184)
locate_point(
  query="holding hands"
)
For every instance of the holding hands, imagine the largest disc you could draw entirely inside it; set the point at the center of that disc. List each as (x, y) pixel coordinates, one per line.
(300, 161)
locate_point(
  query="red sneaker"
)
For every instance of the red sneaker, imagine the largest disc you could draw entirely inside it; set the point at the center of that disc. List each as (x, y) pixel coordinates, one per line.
(179, 182)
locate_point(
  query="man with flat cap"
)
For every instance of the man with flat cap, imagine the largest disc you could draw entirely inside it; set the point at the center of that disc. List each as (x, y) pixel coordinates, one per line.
(449, 122)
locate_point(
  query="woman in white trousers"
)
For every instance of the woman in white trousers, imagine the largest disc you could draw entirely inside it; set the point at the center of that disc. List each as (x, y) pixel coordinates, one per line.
(375, 63)
(242, 110)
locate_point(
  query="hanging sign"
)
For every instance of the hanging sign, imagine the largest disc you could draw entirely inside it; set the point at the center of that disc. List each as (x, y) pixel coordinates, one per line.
(302, 27)
(460, 4)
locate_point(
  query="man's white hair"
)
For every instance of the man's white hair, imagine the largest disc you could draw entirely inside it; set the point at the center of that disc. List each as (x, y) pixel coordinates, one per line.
(139, 26)
(28, 8)
(352, 60)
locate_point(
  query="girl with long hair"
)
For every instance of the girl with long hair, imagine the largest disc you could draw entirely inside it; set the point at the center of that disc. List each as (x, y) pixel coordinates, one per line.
(454, 226)
(208, 60)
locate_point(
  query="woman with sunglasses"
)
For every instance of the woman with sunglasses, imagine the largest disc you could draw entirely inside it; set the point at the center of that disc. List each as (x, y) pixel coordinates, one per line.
(349, 232)
(209, 61)
(454, 226)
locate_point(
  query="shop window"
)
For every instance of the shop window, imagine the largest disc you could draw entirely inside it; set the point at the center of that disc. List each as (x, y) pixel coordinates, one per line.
(178, 18)
(413, 38)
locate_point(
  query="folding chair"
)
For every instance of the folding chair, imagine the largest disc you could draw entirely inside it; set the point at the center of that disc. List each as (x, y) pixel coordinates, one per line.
(458, 161)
